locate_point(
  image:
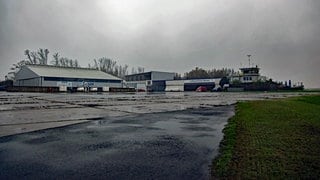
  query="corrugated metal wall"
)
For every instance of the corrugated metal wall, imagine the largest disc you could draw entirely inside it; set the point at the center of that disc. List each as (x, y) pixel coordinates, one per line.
(161, 76)
(28, 82)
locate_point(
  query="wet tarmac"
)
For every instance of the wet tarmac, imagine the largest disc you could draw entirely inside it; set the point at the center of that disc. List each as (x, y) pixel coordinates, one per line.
(27, 112)
(114, 136)
(167, 145)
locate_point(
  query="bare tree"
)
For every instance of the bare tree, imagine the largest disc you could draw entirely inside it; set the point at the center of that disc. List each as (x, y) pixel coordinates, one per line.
(116, 71)
(37, 57)
(43, 56)
(124, 70)
(140, 69)
(66, 62)
(19, 64)
(27, 53)
(133, 71)
(71, 63)
(34, 57)
(46, 52)
(62, 62)
(104, 64)
(55, 60)
(96, 64)
(31, 56)
(109, 66)
(199, 73)
(76, 64)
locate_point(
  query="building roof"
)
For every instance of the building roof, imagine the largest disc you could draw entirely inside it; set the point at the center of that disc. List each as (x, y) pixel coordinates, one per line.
(69, 72)
(149, 72)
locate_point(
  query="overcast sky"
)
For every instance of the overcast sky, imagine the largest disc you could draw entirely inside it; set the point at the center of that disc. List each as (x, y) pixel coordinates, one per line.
(283, 36)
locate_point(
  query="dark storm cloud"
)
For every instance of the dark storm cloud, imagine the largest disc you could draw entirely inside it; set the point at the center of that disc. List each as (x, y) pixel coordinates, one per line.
(282, 35)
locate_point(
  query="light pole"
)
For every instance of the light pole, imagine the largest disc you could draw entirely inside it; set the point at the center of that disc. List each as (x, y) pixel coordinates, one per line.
(249, 55)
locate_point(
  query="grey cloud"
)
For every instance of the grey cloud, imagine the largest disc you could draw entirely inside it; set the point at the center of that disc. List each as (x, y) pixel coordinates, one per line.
(283, 36)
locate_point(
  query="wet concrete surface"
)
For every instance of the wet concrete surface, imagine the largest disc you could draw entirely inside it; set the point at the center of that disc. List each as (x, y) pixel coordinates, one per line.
(114, 136)
(27, 112)
(167, 145)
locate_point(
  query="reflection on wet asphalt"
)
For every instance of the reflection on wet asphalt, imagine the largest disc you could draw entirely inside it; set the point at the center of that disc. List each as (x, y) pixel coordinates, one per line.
(170, 145)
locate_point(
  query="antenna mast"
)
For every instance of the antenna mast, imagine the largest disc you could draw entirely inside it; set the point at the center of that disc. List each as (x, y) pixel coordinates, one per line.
(249, 55)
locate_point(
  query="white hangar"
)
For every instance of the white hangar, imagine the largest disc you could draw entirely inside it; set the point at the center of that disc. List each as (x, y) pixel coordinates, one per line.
(54, 76)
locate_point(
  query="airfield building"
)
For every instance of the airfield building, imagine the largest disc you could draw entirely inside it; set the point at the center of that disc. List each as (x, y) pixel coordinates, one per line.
(152, 81)
(64, 77)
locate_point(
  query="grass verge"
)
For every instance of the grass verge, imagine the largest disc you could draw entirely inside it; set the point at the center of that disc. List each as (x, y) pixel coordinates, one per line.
(271, 139)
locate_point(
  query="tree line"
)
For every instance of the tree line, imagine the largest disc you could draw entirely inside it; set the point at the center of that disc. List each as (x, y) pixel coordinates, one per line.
(199, 73)
(41, 57)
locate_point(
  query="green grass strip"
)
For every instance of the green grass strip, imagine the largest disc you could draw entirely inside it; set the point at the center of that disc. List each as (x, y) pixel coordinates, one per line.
(277, 139)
